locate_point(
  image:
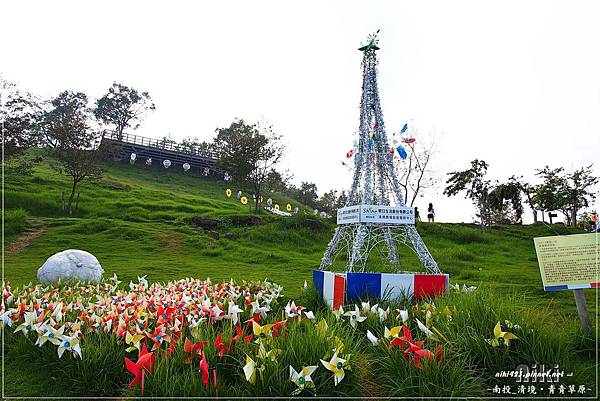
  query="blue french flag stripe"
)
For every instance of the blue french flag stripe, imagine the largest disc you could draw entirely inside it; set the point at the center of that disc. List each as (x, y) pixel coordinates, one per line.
(363, 285)
(318, 280)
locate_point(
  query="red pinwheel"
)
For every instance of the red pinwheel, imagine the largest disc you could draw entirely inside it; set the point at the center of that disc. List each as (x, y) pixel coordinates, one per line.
(145, 363)
(204, 369)
(278, 327)
(195, 350)
(407, 140)
(220, 346)
(255, 318)
(415, 355)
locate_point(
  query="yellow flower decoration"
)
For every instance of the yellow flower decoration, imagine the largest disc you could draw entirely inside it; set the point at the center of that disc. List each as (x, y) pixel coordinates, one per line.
(276, 207)
(501, 338)
(228, 192)
(288, 207)
(244, 200)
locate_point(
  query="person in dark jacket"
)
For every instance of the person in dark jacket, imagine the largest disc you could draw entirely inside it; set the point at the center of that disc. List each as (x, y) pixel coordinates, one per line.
(430, 213)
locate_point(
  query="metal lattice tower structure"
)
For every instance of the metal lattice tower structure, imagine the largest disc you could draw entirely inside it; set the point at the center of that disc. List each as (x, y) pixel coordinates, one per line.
(375, 191)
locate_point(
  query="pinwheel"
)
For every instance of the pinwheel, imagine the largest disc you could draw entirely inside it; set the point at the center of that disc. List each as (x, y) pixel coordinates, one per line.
(302, 379)
(374, 340)
(159, 336)
(427, 332)
(195, 350)
(338, 313)
(69, 344)
(233, 311)
(220, 346)
(134, 341)
(250, 370)
(383, 314)
(391, 334)
(336, 365)
(272, 354)
(355, 316)
(244, 200)
(415, 355)
(50, 334)
(291, 310)
(278, 327)
(261, 332)
(143, 282)
(501, 338)
(145, 363)
(5, 317)
(204, 370)
(28, 323)
(322, 327)
(310, 315)
(406, 340)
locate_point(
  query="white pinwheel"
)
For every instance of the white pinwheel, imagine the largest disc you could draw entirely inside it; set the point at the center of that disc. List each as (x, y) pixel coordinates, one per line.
(302, 379)
(355, 316)
(69, 344)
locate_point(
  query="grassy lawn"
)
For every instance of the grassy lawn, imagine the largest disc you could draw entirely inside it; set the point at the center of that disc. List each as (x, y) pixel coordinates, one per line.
(138, 222)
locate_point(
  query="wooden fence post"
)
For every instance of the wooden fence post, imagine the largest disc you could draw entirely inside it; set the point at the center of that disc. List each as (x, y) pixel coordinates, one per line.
(582, 310)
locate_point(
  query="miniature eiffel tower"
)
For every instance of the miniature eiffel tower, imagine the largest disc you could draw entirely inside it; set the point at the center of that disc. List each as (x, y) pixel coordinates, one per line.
(375, 215)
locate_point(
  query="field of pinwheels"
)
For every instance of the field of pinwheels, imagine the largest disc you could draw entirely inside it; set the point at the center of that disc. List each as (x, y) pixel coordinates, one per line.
(198, 338)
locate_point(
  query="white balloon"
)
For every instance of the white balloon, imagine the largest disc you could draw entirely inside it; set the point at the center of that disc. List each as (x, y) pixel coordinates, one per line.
(167, 163)
(186, 166)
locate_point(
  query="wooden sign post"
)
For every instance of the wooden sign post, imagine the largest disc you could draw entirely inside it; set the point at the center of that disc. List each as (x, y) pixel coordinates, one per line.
(570, 262)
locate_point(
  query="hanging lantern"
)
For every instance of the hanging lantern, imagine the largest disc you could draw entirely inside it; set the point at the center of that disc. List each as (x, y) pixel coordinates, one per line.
(323, 215)
(239, 195)
(228, 192)
(350, 153)
(288, 207)
(149, 162)
(296, 210)
(316, 212)
(244, 200)
(205, 171)
(186, 167)
(167, 163)
(132, 158)
(226, 177)
(276, 207)
(269, 202)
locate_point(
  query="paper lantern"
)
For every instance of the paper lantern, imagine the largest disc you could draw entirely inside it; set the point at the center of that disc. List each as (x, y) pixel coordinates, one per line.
(239, 194)
(205, 171)
(186, 167)
(288, 207)
(226, 177)
(148, 162)
(296, 210)
(323, 215)
(315, 212)
(167, 163)
(269, 202)
(228, 192)
(244, 200)
(133, 156)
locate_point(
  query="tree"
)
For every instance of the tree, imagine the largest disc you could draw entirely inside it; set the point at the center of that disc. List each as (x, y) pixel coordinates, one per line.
(529, 191)
(248, 152)
(193, 145)
(505, 204)
(415, 173)
(123, 107)
(477, 188)
(277, 182)
(20, 113)
(547, 193)
(306, 194)
(74, 144)
(330, 202)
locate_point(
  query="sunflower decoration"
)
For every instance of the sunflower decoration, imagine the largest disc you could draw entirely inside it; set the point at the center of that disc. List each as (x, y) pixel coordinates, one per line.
(288, 207)
(228, 192)
(244, 200)
(276, 207)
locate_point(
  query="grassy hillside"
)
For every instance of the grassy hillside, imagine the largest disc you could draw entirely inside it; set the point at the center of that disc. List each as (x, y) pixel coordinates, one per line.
(139, 222)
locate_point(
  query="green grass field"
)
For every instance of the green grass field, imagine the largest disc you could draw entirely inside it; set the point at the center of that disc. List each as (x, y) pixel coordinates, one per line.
(138, 222)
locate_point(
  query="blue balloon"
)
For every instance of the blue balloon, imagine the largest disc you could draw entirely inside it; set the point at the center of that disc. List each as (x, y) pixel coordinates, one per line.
(402, 152)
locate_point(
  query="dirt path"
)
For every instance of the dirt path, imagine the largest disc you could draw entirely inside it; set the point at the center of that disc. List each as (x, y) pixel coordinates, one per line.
(18, 245)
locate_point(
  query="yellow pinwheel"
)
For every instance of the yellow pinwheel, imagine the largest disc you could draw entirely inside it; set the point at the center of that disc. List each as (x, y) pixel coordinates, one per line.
(322, 327)
(336, 365)
(392, 333)
(228, 192)
(261, 332)
(501, 338)
(250, 370)
(271, 354)
(133, 341)
(288, 207)
(302, 379)
(244, 200)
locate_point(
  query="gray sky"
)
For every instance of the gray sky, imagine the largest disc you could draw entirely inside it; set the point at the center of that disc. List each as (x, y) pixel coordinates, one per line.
(514, 83)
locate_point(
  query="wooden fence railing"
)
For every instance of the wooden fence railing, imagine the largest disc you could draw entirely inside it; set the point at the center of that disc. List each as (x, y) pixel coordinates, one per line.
(160, 144)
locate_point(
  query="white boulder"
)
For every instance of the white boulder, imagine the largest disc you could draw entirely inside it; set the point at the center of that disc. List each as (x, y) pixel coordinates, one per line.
(72, 264)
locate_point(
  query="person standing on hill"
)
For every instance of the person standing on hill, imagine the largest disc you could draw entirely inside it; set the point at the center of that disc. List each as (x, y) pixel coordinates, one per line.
(417, 215)
(430, 213)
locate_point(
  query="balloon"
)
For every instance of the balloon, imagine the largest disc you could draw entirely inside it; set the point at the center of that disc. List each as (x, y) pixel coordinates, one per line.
(167, 163)
(186, 166)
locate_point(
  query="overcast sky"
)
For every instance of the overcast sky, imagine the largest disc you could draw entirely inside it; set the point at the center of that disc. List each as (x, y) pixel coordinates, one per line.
(516, 83)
